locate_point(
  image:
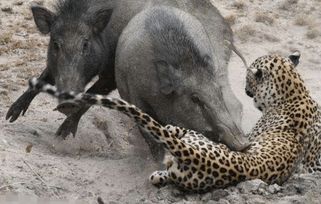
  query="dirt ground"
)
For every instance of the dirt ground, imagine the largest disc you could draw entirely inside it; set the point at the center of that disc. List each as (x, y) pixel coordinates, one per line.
(108, 158)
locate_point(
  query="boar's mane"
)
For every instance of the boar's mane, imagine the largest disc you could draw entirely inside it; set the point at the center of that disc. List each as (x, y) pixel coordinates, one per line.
(71, 9)
(171, 40)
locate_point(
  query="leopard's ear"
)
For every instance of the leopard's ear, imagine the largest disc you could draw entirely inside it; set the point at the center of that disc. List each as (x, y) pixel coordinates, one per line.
(295, 57)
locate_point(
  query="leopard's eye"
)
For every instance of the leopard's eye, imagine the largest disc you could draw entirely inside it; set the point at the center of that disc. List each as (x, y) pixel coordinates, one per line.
(56, 45)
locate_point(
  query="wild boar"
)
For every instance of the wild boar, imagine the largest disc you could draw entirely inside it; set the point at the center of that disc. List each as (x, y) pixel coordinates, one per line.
(77, 52)
(165, 65)
(83, 40)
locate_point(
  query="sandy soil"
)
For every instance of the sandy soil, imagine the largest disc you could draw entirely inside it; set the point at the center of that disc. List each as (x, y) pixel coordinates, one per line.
(108, 158)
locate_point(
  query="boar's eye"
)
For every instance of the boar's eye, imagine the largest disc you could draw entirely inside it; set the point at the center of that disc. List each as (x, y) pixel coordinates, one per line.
(197, 100)
(85, 46)
(56, 45)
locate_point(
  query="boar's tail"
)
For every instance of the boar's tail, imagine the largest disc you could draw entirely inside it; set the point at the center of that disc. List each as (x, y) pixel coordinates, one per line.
(160, 133)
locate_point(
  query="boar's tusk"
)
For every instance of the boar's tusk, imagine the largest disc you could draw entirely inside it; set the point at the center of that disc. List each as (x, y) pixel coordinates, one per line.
(237, 52)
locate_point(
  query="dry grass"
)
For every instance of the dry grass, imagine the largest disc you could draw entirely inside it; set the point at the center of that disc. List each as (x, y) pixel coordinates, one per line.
(240, 5)
(18, 3)
(7, 9)
(39, 2)
(4, 96)
(303, 20)
(231, 19)
(245, 32)
(9, 44)
(264, 17)
(288, 4)
(270, 38)
(278, 52)
(27, 14)
(313, 33)
(22, 26)
(31, 57)
(5, 38)
(3, 67)
(3, 50)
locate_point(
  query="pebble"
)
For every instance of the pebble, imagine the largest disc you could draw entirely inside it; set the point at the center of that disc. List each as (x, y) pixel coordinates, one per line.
(218, 194)
(7, 9)
(250, 186)
(18, 3)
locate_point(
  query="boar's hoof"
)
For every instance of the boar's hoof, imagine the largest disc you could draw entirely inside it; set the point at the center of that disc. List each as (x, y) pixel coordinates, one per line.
(18, 108)
(69, 126)
(67, 108)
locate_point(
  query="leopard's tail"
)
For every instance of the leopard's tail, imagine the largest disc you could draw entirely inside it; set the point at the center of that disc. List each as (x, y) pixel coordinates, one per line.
(159, 132)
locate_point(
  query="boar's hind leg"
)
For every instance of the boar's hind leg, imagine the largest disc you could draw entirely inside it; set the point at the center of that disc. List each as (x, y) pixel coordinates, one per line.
(103, 86)
(156, 149)
(22, 103)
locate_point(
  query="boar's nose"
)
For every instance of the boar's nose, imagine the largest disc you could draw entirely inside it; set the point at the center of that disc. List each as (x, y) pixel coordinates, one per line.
(234, 138)
(239, 143)
(234, 142)
(67, 107)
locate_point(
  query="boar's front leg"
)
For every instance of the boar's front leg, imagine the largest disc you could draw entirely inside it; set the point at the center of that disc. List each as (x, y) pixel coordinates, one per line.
(104, 86)
(70, 124)
(22, 103)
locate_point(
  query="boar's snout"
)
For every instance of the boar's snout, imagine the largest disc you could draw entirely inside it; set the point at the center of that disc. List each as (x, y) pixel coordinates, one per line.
(66, 83)
(224, 129)
(235, 142)
(234, 138)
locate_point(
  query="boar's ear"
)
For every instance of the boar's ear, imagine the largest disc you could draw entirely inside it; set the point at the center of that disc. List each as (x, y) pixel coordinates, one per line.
(100, 19)
(166, 76)
(43, 18)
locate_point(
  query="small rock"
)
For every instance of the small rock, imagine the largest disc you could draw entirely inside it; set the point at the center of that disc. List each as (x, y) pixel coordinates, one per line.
(218, 194)
(206, 197)
(235, 198)
(4, 92)
(261, 191)
(18, 3)
(223, 201)
(35, 133)
(256, 200)
(38, 2)
(251, 186)
(274, 188)
(44, 120)
(300, 184)
(177, 193)
(193, 197)
(7, 9)
(29, 148)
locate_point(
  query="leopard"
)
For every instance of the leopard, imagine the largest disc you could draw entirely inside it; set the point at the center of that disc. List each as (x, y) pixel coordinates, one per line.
(279, 141)
(278, 91)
